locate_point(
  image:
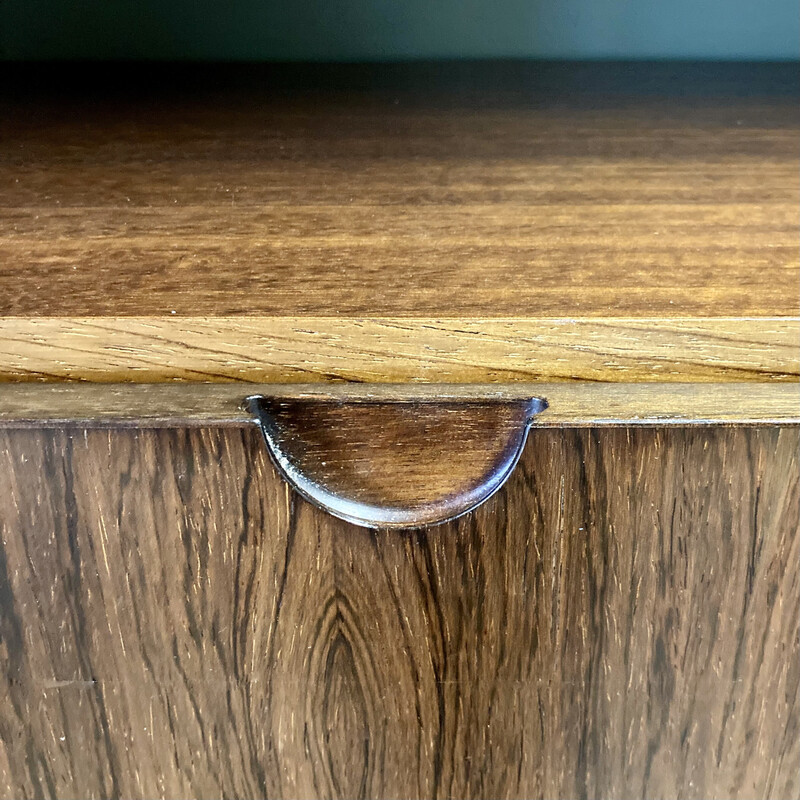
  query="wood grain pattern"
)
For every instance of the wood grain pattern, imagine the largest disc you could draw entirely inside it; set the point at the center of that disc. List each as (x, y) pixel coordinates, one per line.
(462, 222)
(621, 620)
(280, 349)
(387, 459)
(223, 404)
(474, 258)
(526, 190)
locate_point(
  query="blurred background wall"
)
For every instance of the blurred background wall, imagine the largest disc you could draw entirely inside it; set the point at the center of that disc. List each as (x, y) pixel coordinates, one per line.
(349, 30)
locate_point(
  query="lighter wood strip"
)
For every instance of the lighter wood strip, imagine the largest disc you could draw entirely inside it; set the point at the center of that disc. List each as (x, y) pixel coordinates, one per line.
(570, 404)
(281, 349)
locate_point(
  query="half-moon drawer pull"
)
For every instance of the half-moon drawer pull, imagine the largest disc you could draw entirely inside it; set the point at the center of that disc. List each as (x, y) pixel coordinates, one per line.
(392, 456)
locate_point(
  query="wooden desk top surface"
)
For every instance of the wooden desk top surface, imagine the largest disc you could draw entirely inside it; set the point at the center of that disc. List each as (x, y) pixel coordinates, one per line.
(457, 222)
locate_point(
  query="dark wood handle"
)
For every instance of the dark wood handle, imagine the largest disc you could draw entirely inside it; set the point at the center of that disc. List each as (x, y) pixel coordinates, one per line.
(389, 456)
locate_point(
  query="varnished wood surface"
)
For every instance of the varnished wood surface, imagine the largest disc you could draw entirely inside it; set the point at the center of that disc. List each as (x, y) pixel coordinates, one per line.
(569, 404)
(464, 222)
(280, 349)
(396, 460)
(487, 255)
(514, 191)
(621, 620)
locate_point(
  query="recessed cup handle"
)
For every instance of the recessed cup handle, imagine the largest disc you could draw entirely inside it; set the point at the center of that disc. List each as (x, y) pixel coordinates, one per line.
(395, 456)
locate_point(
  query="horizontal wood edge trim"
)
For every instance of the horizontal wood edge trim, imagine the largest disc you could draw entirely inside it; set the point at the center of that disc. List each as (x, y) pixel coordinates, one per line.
(569, 404)
(395, 349)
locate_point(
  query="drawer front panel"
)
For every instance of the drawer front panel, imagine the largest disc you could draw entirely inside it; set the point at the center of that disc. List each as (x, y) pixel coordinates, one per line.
(620, 620)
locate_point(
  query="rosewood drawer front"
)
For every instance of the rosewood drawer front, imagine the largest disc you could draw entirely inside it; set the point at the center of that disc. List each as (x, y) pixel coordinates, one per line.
(622, 615)
(620, 610)
(400, 432)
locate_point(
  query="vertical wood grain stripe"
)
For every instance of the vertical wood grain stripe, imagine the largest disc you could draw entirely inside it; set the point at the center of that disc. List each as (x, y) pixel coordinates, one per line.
(279, 349)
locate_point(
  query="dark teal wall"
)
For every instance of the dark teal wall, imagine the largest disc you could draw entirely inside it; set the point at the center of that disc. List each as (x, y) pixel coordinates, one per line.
(399, 29)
